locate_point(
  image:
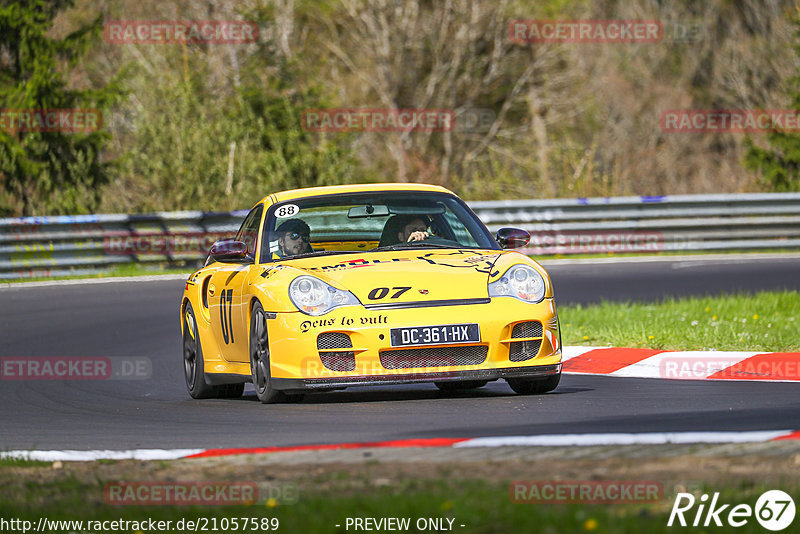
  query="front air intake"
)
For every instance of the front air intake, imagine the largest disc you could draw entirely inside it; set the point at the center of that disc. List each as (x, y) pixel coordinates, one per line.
(433, 357)
(340, 361)
(521, 351)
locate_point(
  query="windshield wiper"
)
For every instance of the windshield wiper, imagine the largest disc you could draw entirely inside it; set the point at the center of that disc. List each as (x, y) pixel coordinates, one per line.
(416, 244)
(319, 253)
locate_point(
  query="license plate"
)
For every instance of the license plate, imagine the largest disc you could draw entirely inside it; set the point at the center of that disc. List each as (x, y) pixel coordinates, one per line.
(435, 335)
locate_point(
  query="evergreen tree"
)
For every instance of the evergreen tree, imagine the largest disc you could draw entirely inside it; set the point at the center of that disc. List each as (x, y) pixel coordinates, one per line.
(47, 171)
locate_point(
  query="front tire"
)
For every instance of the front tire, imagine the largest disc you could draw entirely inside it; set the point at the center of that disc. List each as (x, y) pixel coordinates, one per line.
(534, 386)
(193, 369)
(259, 357)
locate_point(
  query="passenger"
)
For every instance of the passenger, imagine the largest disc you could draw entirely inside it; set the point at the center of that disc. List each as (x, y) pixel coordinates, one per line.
(294, 236)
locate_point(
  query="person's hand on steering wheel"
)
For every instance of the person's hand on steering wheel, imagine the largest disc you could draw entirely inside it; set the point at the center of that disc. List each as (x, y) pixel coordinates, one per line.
(417, 236)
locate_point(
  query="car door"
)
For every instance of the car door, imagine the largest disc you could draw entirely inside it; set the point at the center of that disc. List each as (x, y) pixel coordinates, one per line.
(227, 301)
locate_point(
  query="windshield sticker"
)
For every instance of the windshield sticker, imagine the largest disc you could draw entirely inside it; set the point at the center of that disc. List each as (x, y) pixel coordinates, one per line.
(287, 210)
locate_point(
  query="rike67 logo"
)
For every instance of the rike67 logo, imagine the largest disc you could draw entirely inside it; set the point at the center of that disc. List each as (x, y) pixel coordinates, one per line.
(774, 510)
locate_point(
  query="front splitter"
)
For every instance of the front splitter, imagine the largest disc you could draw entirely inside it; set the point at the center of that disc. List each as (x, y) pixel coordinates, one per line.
(306, 384)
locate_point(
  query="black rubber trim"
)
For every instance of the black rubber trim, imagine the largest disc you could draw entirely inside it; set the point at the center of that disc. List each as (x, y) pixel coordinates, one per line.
(219, 379)
(305, 384)
(427, 304)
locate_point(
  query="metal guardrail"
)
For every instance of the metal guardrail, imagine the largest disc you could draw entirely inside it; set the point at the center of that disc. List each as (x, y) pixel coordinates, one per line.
(83, 244)
(87, 244)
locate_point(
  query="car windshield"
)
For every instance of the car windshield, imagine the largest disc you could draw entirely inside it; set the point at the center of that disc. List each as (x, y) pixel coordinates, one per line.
(365, 222)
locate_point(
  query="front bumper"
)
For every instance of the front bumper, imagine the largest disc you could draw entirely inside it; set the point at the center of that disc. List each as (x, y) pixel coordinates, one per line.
(300, 384)
(296, 364)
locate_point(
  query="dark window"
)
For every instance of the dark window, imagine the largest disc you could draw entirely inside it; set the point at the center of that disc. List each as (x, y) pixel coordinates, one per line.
(248, 233)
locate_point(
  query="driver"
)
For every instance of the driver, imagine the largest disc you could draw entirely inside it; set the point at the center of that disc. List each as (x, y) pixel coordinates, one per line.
(416, 229)
(403, 229)
(293, 238)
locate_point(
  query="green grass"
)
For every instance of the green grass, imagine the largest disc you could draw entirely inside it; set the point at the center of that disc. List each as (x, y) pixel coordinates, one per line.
(21, 462)
(766, 321)
(482, 507)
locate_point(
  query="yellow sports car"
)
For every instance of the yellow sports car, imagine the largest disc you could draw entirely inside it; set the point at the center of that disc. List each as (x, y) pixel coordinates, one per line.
(330, 287)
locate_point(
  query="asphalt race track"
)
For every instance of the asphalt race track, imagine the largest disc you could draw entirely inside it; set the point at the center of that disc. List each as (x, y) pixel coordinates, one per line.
(649, 281)
(140, 319)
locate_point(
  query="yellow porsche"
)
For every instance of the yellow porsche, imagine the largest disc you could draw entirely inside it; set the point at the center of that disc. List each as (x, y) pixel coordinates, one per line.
(330, 287)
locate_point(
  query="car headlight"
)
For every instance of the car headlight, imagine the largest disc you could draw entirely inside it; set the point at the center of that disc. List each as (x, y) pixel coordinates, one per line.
(521, 282)
(315, 297)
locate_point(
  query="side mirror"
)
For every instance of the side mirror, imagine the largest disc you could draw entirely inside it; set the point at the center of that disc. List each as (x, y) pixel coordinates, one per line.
(512, 237)
(228, 251)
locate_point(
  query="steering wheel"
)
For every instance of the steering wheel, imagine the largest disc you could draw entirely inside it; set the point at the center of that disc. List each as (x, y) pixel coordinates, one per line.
(434, 239)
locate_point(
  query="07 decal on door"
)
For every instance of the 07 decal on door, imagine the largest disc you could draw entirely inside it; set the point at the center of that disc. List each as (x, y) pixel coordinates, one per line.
(225, 316)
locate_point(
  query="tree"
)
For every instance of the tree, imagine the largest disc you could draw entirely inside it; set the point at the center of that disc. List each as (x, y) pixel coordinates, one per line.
(47, 171)
(219, 127)
(779, 164)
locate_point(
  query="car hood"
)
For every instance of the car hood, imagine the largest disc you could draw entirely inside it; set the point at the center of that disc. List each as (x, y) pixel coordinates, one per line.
(396, 277)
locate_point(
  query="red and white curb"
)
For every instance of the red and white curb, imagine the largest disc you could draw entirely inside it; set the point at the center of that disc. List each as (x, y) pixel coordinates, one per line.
(90, 456)
(682, 365)
(646, 438)
(545, 440)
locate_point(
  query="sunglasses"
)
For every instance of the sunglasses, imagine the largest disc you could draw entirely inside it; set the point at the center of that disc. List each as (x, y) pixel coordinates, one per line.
(294, 236)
